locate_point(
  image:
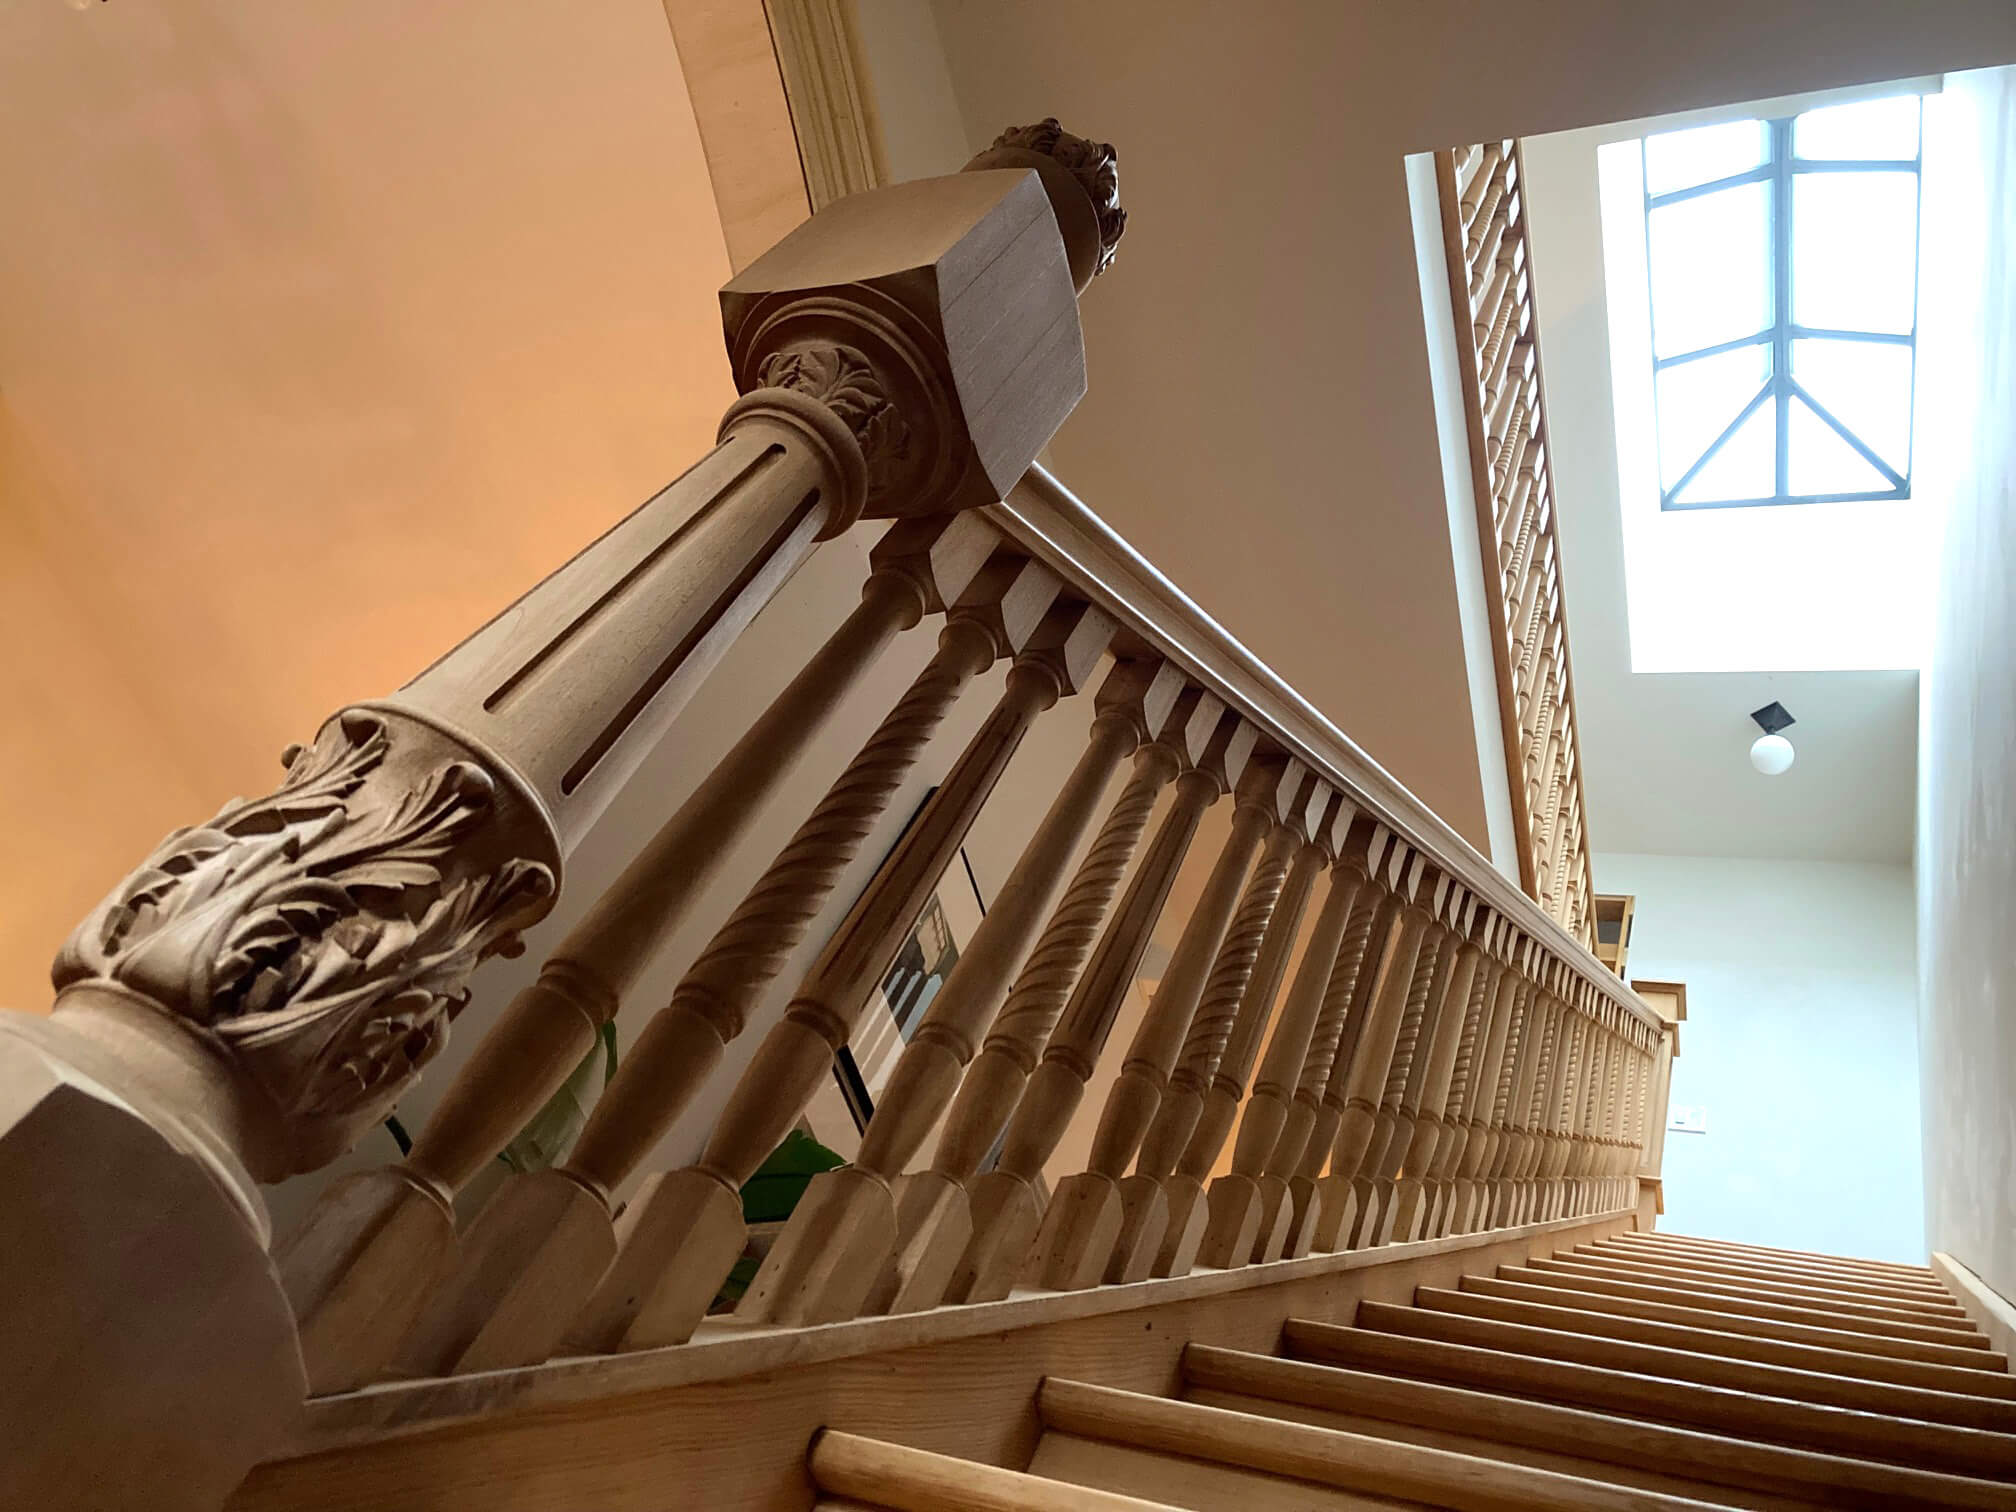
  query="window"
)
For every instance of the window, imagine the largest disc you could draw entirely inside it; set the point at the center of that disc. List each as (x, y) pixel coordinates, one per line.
(1782, 258)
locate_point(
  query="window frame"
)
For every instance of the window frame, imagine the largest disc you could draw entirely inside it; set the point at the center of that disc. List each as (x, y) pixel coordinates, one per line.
(1780, 169)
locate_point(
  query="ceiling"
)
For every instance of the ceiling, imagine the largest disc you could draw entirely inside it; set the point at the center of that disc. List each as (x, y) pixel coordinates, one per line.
(1260, 421)
(1666, 765)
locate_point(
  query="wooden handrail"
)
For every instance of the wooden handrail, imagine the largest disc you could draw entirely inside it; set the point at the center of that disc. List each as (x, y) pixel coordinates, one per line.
(1055, 525)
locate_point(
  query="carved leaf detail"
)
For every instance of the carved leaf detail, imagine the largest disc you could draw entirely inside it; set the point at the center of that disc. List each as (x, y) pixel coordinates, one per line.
(843, 380)
(320, 933)
(1095, 165)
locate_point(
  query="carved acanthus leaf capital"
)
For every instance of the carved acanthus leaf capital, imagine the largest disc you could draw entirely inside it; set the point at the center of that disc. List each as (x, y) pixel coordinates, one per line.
(845, 381)
(321, 937)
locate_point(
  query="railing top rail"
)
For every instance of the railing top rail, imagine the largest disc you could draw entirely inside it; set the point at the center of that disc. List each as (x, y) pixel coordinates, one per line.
(1046, 518)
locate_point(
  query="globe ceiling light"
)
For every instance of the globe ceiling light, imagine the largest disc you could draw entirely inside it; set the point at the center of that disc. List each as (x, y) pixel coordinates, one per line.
(1771, 753)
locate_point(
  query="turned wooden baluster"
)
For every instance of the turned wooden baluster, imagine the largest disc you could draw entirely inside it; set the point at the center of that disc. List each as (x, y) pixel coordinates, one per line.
(1406, 952)
(1236, 1205)
(1086, 1233)
(1592, 1063)
(842, 1237)
(1613, 1145)
(1630, 1159)
(1393, 1128)
(1536, 1061)
(1416, 1123)
(1601, 1103)
(1571, 1067)
(964, 1237)
(682, 1233)
(1483, 1097)
(1445, 1107)
(535, 1251)
(1204, 1092)
(1509, 1153)
(846, 411)
(1287, 1191)
(1559, 1102)
(1354, 986)
(1617, 1110)
(1486, 1157)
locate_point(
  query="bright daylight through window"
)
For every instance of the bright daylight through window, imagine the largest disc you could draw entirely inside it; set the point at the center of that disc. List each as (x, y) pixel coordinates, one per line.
(1783, 273)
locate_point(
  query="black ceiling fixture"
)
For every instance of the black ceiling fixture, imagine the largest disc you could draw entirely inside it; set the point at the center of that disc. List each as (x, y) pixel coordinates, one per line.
(1773, 717)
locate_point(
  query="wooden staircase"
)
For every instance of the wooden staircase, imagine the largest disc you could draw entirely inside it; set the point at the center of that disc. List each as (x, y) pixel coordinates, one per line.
(1646, 1370)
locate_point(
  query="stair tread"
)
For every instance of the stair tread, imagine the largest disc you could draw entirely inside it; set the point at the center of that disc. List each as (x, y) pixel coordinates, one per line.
(1668, 1238)
(1979, 1413)
(1729, 1344)
(1583, 1265)
(1617, 1441)
(1770, 1285)
(1910, 1293)
(1839, 1430)
(881, 1474)
(1457, 1441)
(1333, 1457)
(1194, 1484)
(1704, 1312)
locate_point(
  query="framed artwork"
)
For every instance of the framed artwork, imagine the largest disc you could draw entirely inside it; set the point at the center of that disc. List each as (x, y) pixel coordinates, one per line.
(862, 1067)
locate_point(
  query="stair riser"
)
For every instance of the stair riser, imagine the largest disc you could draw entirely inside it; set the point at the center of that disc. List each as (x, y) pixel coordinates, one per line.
(1301, 1389)
(1726, 1345)
(1708, 1316)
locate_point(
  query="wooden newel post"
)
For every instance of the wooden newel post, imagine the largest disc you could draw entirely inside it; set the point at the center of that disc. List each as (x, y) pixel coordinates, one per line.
(264, 987)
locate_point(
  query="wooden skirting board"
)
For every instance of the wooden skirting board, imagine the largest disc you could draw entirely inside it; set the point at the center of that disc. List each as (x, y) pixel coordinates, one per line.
(1992, 1312)
(723, 1421)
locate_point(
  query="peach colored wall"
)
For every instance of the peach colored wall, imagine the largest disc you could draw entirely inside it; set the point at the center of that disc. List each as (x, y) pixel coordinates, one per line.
(324, 331)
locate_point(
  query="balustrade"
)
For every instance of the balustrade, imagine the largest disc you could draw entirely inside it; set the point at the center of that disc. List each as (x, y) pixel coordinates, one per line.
(1444, 1058)
(1490, 283)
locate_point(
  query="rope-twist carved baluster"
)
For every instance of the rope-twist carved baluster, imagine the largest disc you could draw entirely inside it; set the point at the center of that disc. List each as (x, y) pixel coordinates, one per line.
(752, 947)
(1319, 1066)
(1211, 1029)
(1046, 979)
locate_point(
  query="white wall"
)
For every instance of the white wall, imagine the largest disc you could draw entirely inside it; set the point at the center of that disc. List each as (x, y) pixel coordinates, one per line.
(1800, 1042)
(1967, 752)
